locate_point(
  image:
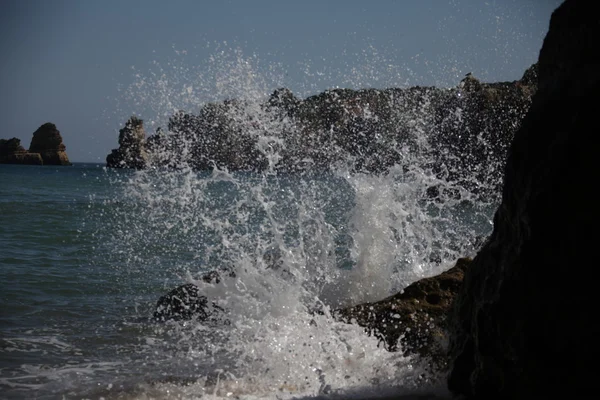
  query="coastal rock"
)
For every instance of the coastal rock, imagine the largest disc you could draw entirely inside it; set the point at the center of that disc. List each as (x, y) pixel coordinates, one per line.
(11, 152)
(530, 77)
(413, 320)
(186, 302)
(46, 148)
(473, 130)
(283, 99)
(11, 146)
(132, 148)
(48, 142)
(523, 325)
(464, 131)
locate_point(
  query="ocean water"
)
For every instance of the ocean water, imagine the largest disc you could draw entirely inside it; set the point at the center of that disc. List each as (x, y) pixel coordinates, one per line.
(86, 252)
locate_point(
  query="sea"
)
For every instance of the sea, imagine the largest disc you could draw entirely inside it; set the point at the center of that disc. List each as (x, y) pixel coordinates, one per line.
(86, 252)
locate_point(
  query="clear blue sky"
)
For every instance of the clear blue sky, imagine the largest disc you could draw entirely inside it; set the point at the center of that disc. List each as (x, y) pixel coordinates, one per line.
(87, 65)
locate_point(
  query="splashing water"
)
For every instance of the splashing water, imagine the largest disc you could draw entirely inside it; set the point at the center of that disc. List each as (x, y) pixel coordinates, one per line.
(339, 238)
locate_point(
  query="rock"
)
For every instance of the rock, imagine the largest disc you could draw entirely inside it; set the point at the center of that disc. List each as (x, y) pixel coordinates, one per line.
(524, 323)
(48, 142)
(22, 158)
(47, 148)
(186, 302)
(471, 148)
(11, 146)
(11, 152)
(464, 131)
(283, 99)
(470, 83)
(530, 77)
(132, 147)
(413, 320)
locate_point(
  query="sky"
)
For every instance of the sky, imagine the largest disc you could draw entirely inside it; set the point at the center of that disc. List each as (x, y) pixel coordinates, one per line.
(88, 65)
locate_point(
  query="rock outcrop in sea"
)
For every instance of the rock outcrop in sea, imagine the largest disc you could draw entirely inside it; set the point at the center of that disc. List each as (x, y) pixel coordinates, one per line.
(525, 323)
(46, 148)
(187, 301)
(11, 152)
(132, 147)
(464, 131)
(414, 320)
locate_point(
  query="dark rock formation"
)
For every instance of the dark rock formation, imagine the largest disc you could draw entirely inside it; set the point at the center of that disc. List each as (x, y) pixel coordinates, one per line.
(471, 146)
(283, 100)
(186, 302)
(48, 142)
(11, 146)
(132, 147)
(47, 148)
(530, 77)
(464, 132)
(11, 152)
(524, 323)
(413, 320)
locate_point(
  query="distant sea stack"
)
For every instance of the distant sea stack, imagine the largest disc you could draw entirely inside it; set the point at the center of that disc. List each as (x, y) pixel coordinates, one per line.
(46, 148)
(49, 144)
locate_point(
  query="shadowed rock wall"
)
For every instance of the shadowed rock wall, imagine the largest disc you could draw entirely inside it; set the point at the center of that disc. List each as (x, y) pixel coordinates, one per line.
(525, 321)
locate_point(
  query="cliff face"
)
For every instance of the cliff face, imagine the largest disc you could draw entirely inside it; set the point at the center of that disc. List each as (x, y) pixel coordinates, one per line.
(47, 148)
(524, 323)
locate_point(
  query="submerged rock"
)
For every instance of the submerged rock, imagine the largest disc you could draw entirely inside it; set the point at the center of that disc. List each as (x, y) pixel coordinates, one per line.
(413, 320)
(524, 323)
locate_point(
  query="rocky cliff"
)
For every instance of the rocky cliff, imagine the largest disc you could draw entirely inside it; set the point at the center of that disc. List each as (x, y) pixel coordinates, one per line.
(46, 148)
(464, 131)
(524, 322)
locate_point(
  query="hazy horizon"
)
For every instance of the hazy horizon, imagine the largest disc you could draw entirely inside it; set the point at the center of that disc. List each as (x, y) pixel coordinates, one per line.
(88, 66)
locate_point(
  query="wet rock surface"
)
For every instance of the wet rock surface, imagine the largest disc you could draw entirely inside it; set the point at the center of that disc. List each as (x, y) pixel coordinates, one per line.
(414, 320)
(187, 302)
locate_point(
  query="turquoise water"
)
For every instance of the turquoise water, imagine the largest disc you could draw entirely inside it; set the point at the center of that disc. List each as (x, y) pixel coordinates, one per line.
(85, 253)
